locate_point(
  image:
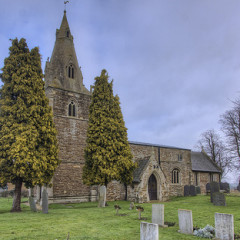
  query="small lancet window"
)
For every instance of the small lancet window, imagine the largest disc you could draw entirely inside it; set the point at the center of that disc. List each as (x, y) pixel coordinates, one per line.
(72, 109)
(175, 176)
(71, 71)
(68, 33)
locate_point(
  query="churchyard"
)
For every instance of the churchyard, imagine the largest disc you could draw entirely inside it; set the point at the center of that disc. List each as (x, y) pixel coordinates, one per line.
(87, 221)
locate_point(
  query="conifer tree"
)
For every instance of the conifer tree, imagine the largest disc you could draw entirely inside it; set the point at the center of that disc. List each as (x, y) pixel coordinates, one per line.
(28, 143)
(107, 154)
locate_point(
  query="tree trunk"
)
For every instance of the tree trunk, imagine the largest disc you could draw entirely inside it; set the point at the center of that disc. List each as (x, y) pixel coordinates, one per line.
(125, 185)
(16, 207)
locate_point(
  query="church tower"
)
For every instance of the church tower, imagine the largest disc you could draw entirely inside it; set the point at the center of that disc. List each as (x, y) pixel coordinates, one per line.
(70, 102)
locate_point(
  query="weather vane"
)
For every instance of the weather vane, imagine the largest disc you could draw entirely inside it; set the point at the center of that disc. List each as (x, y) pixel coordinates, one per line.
(65, 3)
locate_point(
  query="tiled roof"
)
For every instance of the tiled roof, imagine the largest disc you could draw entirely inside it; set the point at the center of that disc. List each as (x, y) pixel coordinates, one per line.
(142, 163)
(202, 163)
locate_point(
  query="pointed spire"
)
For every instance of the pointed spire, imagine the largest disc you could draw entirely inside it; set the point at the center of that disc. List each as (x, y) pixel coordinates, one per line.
(64, 30)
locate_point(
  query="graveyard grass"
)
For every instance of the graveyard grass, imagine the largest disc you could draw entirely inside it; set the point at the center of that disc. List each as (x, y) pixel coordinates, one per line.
(87, 221)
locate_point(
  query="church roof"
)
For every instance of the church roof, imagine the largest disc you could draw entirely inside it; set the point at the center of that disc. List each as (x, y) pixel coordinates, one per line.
(202, 163)
(142, 164)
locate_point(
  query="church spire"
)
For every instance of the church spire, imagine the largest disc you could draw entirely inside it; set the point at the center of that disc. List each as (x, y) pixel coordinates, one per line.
(63, 71)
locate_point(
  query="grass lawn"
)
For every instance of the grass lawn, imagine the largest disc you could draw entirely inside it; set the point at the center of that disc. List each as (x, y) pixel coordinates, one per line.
(87, 221)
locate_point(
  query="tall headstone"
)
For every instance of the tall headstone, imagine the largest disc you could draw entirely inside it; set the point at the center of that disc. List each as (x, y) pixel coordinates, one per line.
(192, 190)
(224, 226)
(158, 214)
(208, 189)
(44, 200)
(32, 204)
(214, 187)
(102, 196)
(186, 190)
(148, 231)
(185, 221)
(219, 199)
(225, 187)
(198, 190)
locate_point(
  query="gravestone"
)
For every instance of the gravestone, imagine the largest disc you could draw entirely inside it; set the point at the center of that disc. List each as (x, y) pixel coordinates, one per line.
(238, 187)
(32, 204)
(102, 196)
(192, 190)
(208, 189)
(219, 199)
(158, 214)
(224, 226)
(131, 206)
(44, 200)
(186, 190)
(214, 187)
(148, 231)
(185, 221)
(225, 186)
(198, 190)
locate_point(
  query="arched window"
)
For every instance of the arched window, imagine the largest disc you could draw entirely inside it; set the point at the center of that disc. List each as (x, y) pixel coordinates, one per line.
(68, 33)
(72, 109)
(175, 176)
(70, 71)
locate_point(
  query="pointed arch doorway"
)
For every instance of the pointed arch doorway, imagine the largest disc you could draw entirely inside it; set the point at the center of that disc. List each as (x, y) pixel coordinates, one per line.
(152, 188)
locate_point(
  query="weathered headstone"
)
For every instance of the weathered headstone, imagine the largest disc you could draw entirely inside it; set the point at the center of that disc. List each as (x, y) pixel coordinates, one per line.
(224, 226)
(93, 195)
(158, 214)
(32, 204)
(214, 187)
(102, 196)
(198, 190)
(192, 190)
(225, 186)
(44, 200)
(186, 190)
(219, 199)
(238, 187)
(185, 221)
(148, 231)
(131, 206)
(208, 189)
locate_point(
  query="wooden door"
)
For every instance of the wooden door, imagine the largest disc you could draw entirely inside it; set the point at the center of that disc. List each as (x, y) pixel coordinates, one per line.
(152, 187)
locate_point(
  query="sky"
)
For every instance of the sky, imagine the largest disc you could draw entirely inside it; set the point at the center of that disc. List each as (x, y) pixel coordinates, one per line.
(175, 64)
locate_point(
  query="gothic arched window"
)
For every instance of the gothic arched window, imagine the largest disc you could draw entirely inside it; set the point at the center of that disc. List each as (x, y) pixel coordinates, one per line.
(70, 71)
(175, 176)
(72, 109)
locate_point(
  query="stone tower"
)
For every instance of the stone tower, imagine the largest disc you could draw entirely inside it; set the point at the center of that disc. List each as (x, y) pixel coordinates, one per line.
(70, 101)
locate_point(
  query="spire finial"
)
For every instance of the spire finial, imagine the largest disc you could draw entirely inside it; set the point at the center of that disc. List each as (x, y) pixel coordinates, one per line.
(65, 3)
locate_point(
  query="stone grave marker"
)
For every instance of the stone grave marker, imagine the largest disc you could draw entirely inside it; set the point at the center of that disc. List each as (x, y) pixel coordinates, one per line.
(198, 190)
(208, 189)
(44, 200)
(131, 206)
(219, 199)
(224, 226)
(102, 196)
(158, 214)
(225, 187)
(186, 190)
(32, 204)
(238, 187)
(192, 190)
(148, 231)
(214, 187)
(185, 221)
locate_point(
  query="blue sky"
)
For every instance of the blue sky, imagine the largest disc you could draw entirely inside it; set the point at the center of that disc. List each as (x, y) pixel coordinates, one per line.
(175, 64)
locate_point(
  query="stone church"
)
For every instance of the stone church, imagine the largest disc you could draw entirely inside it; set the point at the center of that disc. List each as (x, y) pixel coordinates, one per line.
(162, 170)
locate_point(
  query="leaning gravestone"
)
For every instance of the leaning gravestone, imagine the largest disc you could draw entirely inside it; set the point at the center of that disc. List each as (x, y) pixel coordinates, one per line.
(102, 196)
(32, 204)
(198, 190)
(224, 226)
(185, 221)
(214, 187)
(158, 214)
(44, 200)
(148, 231)
(225, 187)
(186, 190)
(131, 206)
(192, 190)
(219, 199)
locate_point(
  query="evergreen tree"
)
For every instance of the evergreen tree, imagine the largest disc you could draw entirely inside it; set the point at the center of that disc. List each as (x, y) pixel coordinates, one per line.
(107, 154)
(28, 143)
